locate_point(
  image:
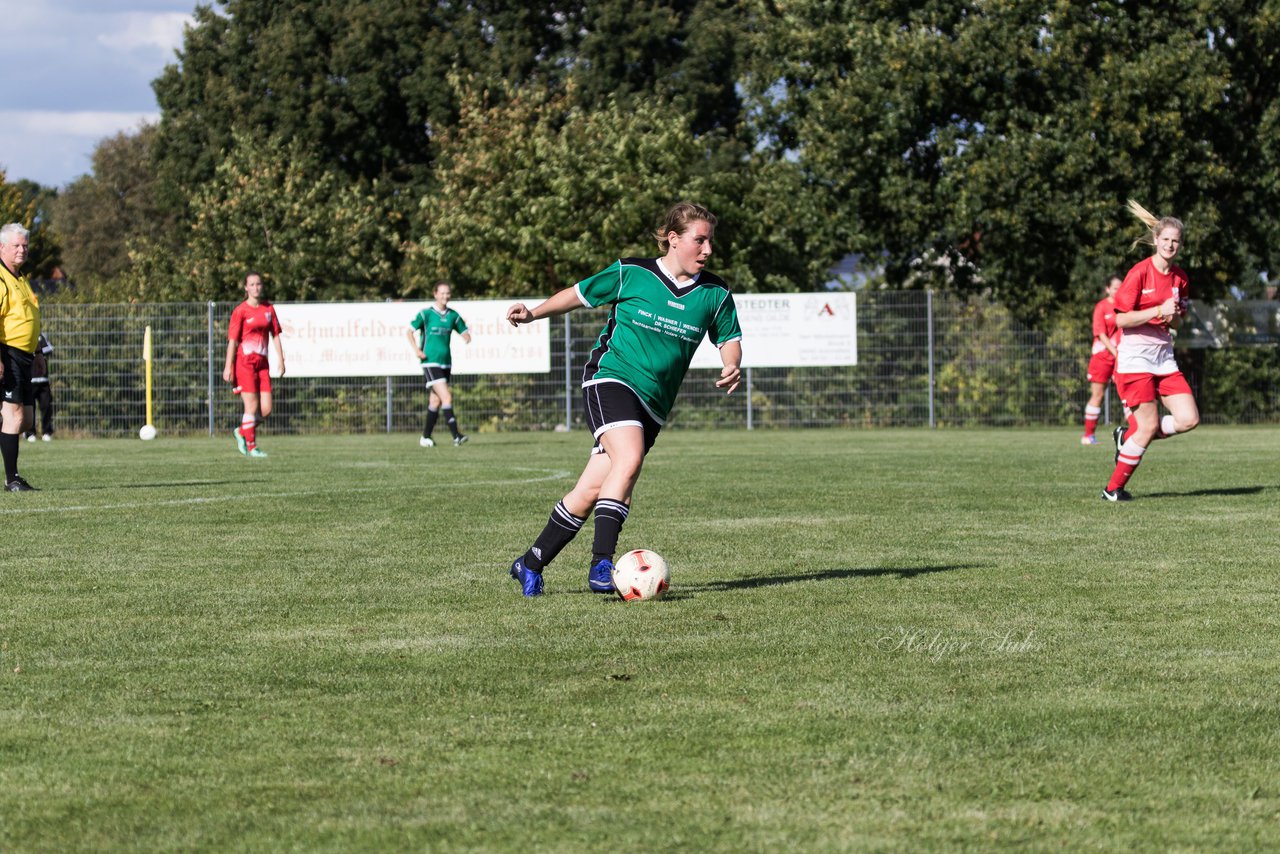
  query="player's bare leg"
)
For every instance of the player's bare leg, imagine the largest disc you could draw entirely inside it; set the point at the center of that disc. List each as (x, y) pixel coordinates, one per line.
(1183, 415)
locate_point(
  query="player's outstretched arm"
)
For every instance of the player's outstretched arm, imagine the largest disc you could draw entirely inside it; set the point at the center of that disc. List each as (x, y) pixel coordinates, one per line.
(731, 373)
(559, 303)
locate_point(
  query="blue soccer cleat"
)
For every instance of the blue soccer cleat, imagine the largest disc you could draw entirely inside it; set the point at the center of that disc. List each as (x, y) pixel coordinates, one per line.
(530, 581)
(600, 578)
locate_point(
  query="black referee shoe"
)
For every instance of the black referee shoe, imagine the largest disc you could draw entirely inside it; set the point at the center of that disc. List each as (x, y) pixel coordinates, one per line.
(19, 485)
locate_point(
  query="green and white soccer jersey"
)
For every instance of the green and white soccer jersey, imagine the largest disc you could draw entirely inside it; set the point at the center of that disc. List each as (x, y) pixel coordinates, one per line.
(436, 329)
(654, 328)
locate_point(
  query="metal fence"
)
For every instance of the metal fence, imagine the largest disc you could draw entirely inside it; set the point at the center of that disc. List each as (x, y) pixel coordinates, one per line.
(925, 359)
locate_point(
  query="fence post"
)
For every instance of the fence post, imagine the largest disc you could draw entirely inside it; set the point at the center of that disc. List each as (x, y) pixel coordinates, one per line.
(929, 304)
(388, 404)
(568, 375)
(209, 350)
(749, 424)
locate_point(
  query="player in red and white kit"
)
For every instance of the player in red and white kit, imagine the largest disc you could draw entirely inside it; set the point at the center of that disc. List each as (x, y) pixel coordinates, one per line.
(1102, 363)
(1149, 304)
(253, 324)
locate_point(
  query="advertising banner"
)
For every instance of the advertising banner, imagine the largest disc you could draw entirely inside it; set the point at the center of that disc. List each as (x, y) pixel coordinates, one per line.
(370, 339)
(792, 330)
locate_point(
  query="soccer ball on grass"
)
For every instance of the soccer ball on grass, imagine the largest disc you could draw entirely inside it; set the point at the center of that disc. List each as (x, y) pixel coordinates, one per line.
(641, 574)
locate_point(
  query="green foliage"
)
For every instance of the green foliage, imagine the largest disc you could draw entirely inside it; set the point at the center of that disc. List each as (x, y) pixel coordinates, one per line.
(538, 210)
(985, 147)
(541, 209)
(28, 203)
(1242, 384)
(990, 146)
(313, 233)
(101, 215)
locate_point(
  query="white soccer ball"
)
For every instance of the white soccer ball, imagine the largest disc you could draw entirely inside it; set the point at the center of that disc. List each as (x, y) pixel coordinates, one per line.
(641, 574)
(147, 433)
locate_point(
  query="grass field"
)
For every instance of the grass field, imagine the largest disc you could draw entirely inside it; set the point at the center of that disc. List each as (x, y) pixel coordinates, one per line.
(875, 640)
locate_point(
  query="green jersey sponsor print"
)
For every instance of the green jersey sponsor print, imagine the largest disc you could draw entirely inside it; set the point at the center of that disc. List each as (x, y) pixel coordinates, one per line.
(435, 330)
(654, 327)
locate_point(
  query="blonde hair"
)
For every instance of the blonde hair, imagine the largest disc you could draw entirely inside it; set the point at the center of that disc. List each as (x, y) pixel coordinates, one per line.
(679, 218)
(1155, 224)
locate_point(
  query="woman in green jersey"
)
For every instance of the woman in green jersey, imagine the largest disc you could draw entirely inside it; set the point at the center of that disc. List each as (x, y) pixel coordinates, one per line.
(660, 311)
(430, 335)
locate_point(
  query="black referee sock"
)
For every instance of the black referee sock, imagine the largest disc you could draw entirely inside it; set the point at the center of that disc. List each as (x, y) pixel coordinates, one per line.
(9, 450)
(449, 419)
(610, 515)
(432, 415)
(561, 528)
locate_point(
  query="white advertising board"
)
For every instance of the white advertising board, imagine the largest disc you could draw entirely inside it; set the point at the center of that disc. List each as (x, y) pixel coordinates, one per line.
(792, 330)
(369, 339)
(363, 339)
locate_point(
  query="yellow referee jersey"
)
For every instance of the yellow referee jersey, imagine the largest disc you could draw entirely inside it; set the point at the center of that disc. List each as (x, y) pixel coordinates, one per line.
(19, 312)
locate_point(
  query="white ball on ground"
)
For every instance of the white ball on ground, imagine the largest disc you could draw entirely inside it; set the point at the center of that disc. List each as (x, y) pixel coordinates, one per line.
(147, 433)
(641, 574)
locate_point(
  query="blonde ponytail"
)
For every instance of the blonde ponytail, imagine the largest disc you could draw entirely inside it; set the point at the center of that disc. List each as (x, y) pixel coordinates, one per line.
(1155, 224)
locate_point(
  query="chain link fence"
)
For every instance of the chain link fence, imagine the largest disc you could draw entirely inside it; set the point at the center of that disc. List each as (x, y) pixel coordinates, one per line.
(925, 359)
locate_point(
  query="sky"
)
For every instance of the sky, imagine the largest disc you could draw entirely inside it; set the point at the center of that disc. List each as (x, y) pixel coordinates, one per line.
(76, 72)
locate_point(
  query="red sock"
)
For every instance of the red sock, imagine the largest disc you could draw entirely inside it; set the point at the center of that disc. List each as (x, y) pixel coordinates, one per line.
(1091, 414)
(1130, 457)
(248, 429)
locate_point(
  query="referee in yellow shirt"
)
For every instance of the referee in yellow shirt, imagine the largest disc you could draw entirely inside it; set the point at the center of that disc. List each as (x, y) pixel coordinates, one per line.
(19, 332)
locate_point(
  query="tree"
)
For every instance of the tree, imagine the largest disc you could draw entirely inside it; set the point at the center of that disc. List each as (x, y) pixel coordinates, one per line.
(360, 84)
(991, 146)
(102, 214)
(273, 207)
(531, 212)
(683, 53)
(27, 202)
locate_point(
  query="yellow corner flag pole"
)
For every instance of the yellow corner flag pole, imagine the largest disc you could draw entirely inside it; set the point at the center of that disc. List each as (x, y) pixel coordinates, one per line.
(148, 431)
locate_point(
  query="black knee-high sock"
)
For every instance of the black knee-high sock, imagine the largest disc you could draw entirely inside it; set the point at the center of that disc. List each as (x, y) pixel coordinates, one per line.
(610, 515)
(561, 528)
(432, 415)
(9, 450)
(449, 419)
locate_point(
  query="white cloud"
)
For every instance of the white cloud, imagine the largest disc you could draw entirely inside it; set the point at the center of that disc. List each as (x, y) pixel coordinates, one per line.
(51, 147)
(77, 71)
(143, 31)
(79, 123)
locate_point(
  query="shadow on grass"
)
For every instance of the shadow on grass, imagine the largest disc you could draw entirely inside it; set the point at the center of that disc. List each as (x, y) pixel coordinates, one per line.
(1233, 490)
(684, 591)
